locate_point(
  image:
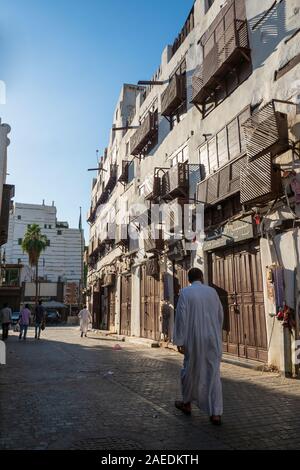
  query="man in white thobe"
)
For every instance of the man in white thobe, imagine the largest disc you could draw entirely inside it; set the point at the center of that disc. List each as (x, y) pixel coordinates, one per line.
(198, 335)
(85, 320)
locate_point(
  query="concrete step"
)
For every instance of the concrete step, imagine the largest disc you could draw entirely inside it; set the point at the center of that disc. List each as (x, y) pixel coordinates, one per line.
(129, 339)
(247, 363)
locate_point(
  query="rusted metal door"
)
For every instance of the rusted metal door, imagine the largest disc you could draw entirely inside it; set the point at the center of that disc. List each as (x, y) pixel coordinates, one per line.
(126, 305)
(150, 305)
(236, 274)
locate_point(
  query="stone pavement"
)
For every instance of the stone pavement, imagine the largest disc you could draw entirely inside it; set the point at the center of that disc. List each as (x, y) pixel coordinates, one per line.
(64, 392)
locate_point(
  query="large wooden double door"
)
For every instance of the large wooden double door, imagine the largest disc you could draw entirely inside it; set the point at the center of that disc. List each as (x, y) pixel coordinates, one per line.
(236, 274)
(126, 305)
(150, 305)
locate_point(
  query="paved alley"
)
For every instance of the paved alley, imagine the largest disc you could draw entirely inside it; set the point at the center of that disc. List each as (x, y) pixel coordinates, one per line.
(64, 392)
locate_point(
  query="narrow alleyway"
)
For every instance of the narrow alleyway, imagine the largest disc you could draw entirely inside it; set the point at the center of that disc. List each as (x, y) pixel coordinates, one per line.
(65, 392)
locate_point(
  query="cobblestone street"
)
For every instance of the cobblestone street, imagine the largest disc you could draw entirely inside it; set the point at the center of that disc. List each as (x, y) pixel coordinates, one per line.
(64, 392)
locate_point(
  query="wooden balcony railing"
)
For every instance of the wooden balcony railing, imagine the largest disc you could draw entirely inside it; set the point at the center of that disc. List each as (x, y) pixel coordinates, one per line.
(145, 134)
(174, 95)
(105, 194)
(223, 183)
(152, 188)
(153, 244)
(123, 178)
(122, 236)
(226, 45)
(108, 236)
(175, 182)
(266, 131)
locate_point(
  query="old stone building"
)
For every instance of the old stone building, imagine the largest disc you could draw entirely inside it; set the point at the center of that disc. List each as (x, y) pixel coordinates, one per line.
(202, 169)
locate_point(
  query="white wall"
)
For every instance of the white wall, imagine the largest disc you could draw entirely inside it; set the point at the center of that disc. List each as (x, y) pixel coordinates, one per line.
(61, 258)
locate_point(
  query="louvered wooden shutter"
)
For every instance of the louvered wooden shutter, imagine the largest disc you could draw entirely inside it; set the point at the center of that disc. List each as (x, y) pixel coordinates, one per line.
(233, 139)
(222, 148)
(204, 161)
(212, 154)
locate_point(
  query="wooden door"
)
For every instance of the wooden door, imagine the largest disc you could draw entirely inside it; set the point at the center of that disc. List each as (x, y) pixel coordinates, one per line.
(236, 274)
(180, 270)
(96, 310)
(111, 306)
(150, 305)
(126, 285)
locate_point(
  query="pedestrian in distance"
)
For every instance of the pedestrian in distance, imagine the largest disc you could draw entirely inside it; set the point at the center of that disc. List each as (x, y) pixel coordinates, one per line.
(198, 335)
(85, 320)
(5, 320)
(39, 318)
(24, 321)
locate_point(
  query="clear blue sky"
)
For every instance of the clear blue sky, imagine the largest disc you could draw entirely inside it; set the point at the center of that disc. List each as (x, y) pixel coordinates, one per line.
(64, 62)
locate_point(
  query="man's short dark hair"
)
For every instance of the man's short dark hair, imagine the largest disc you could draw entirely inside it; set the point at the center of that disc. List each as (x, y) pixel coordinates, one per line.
(40, 302)
(195, 274)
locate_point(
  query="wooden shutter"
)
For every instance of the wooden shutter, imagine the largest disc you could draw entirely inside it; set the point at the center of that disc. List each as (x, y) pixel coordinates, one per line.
(204, 161)
(233, 139)
(212, 154)
(243, 118)
(222, 148)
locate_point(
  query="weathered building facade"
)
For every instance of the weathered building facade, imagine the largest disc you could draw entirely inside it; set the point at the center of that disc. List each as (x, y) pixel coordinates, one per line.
(213, 140)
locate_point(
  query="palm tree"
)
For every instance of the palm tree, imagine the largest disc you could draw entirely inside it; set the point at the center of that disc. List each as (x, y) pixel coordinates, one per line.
(34, 243)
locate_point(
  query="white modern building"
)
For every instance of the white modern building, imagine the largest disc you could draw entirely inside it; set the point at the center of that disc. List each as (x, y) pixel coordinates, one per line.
(62, 259)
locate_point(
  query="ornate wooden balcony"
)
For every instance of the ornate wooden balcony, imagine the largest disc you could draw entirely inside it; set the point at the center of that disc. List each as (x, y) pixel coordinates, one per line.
(145, 134)
(223, 183)
(226, 46)
(174, 95)
(153, 244)
(175, 182)
(122, 236)
(112, 178)
(123, 178)
(152, 187)
(266, 131)
(108, 236)
(260, 182)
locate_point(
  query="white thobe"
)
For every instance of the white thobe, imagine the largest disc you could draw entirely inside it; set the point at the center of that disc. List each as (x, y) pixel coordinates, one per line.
(198, 327)
(85, 319)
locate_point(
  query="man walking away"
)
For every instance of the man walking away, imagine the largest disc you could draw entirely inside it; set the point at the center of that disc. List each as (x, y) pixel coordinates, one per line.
(39, 319)
(198, 335)
(24, 321)
(5, 319)
(85, 319)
